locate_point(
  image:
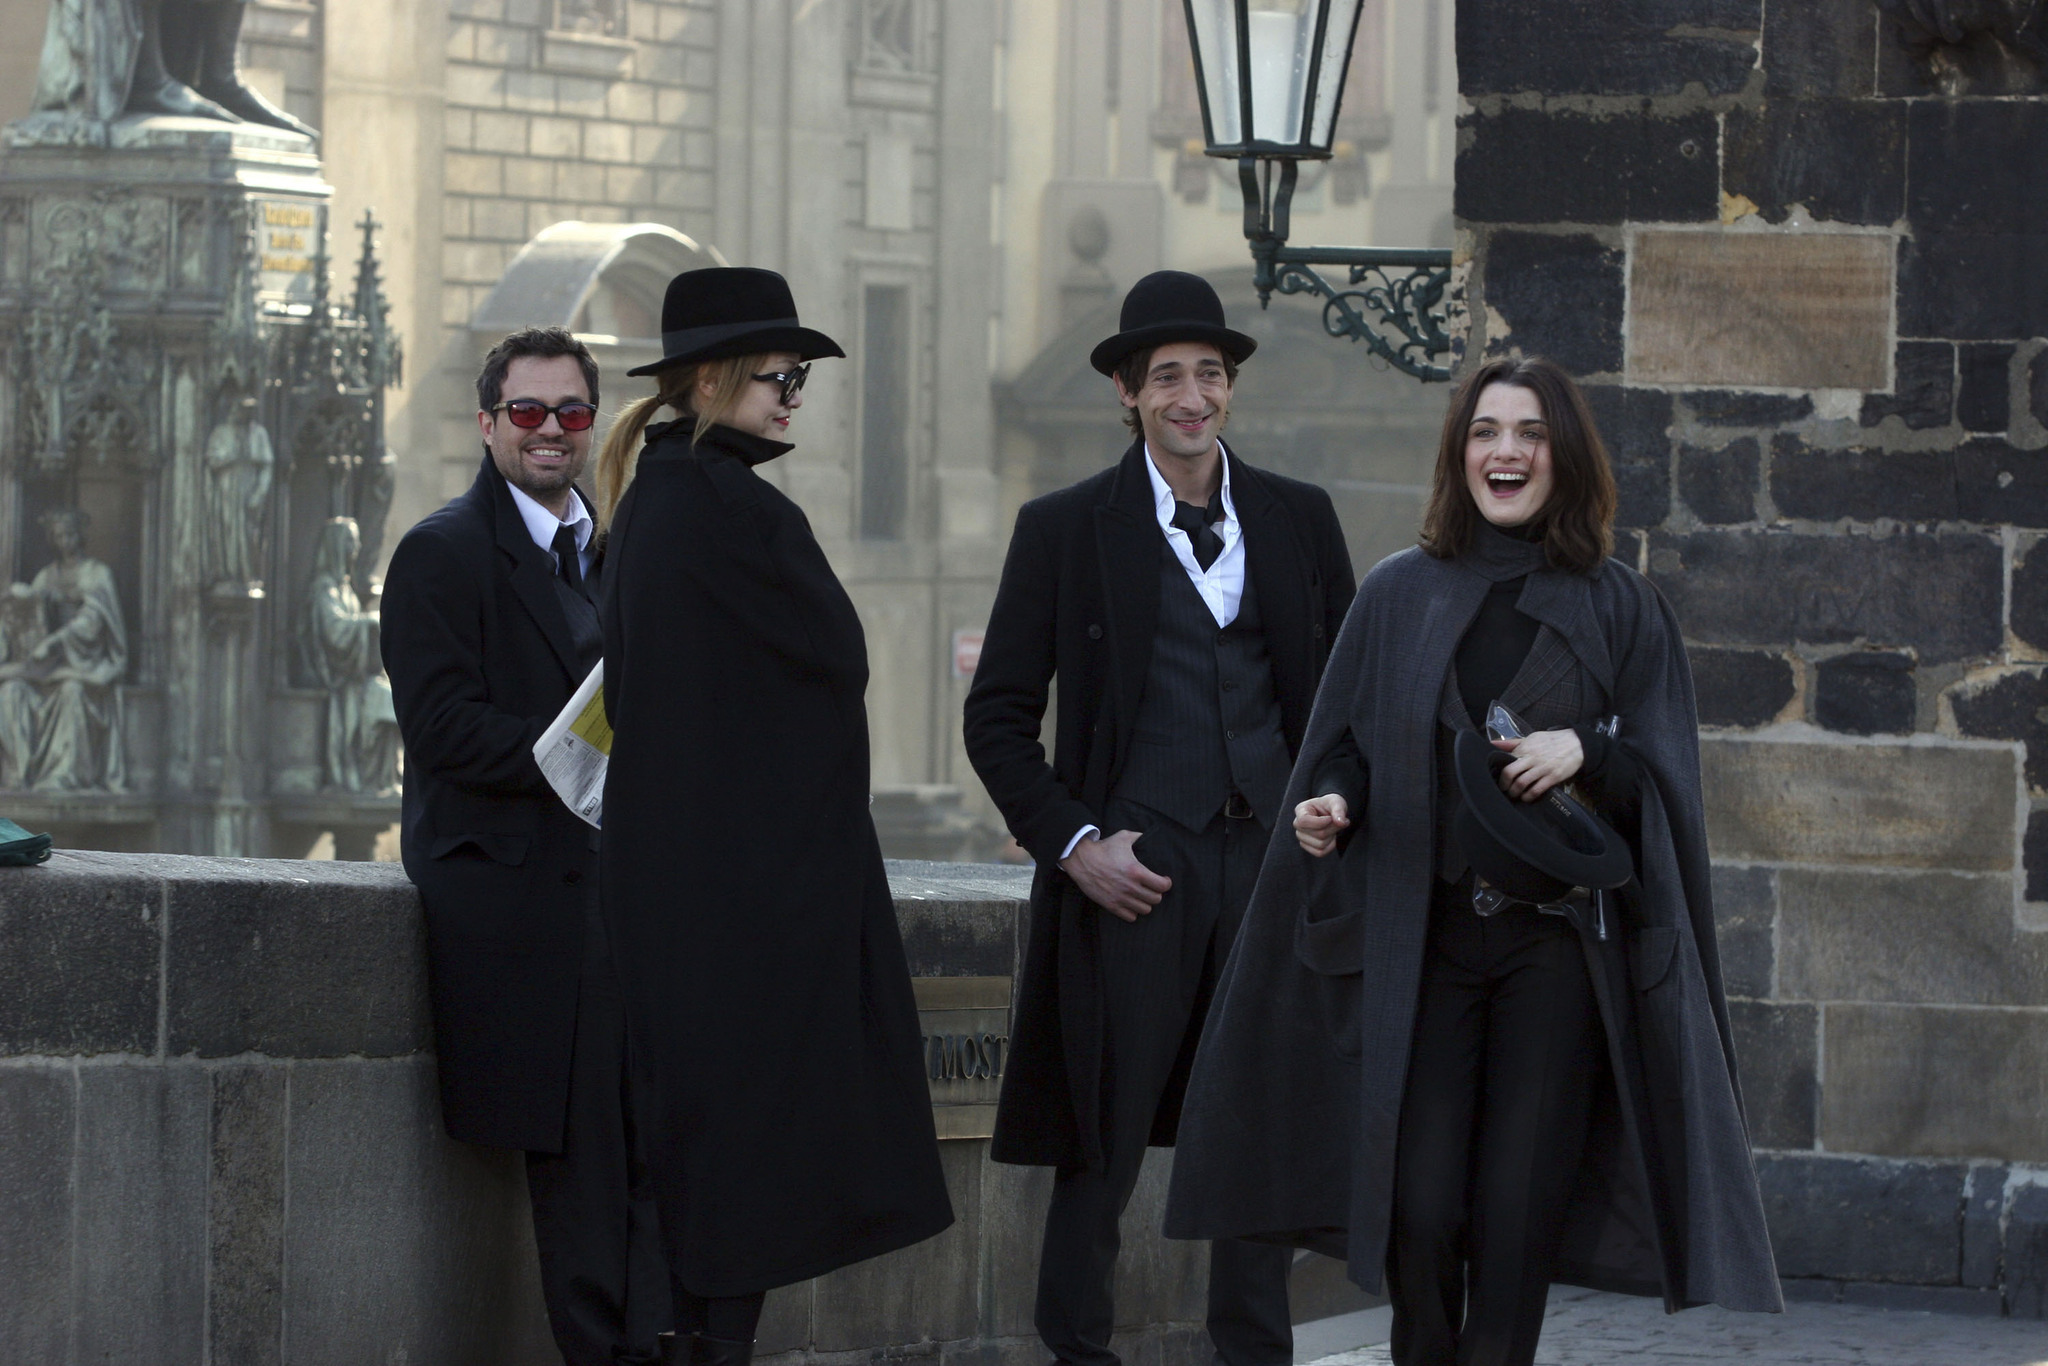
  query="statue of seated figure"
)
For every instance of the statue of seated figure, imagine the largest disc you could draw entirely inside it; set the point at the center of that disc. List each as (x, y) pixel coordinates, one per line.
(65, 648)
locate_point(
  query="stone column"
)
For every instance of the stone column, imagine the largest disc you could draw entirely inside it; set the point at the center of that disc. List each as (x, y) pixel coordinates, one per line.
(384, 65)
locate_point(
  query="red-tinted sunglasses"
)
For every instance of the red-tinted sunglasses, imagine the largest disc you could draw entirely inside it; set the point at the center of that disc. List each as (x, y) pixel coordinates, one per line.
(531, 412)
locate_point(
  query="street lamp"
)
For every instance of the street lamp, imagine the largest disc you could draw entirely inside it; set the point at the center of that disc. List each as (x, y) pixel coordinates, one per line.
(1270, 74)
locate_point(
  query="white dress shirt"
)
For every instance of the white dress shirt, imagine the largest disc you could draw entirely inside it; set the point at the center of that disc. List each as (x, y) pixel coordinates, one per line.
(1221, 584)
(542, 525)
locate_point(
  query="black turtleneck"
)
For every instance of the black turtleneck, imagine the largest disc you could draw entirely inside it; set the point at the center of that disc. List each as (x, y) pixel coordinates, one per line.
(719, 439)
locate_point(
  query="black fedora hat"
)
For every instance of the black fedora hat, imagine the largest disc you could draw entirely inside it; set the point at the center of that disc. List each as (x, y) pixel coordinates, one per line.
(1533, 851)
(1170, 306)
(722, 311)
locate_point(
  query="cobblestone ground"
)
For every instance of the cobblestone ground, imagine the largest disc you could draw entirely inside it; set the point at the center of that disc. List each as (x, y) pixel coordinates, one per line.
(1588, 1329)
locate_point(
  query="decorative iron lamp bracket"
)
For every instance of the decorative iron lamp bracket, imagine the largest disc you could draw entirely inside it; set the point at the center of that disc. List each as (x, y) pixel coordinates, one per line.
(1403, 287)
(1271, 75)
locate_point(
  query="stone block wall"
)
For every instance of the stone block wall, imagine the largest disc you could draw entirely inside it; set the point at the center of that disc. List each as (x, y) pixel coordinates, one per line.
(1795, 253)
(281, 55)
(598, 110)
(220, 1142)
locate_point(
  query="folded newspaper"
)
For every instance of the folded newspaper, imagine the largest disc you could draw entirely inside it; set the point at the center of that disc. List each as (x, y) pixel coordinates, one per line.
(576, 748)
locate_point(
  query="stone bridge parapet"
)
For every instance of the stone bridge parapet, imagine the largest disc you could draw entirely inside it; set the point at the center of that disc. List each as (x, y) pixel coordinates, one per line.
(220, 1142)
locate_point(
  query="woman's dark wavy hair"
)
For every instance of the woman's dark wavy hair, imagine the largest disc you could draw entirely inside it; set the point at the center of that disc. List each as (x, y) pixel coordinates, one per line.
(1578, 521)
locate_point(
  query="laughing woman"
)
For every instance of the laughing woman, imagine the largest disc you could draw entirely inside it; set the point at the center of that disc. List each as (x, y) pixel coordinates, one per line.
(769, 1003)
(1509, 1062)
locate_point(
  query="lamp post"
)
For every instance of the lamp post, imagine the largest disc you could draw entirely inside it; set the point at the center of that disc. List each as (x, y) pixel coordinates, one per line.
(1270, 74)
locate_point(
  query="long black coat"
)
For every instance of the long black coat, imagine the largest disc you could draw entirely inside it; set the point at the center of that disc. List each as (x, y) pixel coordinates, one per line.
(1079, 603)
(1294, 1104)
(765, 980)
(481, 659)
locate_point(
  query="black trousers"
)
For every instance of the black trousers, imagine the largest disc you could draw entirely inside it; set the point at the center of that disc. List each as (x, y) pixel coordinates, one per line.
(1508, 1047)
(1157, 976)
(601, 1269)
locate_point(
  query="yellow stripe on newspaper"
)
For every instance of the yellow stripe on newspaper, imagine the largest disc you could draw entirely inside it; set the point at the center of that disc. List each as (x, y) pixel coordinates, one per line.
(592, 727)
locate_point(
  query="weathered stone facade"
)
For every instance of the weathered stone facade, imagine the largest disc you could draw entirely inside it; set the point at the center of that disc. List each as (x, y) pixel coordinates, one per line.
(220, 1142)
(1796, 253)
(191, 436)
(950, 187)
(553, 116)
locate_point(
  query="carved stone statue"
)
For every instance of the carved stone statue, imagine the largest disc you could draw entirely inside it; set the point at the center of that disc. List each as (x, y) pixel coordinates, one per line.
(105, 58)
(377, 485)
(238, 464)
(361, 752)
(60, 711)
(21, 705)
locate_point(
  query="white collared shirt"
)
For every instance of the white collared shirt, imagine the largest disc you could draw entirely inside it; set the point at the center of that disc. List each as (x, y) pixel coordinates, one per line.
(542, 525)
(1222, 583)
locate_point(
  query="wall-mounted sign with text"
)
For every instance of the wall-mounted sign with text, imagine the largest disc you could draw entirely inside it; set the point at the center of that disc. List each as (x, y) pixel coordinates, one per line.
(288, 237)
(966, 1027)
(967, 653)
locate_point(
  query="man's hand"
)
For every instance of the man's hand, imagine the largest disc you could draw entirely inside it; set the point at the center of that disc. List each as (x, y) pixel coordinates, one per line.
(1110, 875)
(1542, 761)
(1319, 821)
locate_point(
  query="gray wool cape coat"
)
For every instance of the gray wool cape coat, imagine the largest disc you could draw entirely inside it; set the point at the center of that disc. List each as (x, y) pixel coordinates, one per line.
(1288, 1131)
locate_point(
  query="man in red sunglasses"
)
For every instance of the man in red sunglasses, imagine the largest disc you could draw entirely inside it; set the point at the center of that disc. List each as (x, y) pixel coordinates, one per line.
(489, 625)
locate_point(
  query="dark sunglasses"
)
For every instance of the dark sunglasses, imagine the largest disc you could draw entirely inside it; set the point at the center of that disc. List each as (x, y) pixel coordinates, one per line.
(531, 412)
(792, 381)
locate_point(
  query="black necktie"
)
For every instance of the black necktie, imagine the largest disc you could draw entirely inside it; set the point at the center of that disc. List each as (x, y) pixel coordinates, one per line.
(1198, 523)
(567, 562)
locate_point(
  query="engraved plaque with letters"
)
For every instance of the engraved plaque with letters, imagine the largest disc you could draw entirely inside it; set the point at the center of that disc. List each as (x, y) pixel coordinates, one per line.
(965, 1023)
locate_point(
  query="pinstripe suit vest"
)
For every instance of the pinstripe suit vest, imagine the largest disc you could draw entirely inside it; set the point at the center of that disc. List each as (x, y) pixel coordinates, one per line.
(1209, 721)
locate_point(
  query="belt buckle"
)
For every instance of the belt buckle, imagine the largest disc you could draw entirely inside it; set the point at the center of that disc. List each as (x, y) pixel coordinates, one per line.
(1487, 902)
(1581, 909)
(1237, 807)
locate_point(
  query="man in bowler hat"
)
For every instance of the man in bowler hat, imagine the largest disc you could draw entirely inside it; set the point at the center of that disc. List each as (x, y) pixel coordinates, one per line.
(1185, 602)
(489, 624)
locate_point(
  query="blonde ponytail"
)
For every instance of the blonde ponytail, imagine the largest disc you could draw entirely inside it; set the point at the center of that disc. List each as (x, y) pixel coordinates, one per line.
(620, 456)
(619, 459)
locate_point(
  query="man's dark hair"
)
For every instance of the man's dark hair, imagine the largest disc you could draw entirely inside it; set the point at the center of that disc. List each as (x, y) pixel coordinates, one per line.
(1131, 372)
(531, 341)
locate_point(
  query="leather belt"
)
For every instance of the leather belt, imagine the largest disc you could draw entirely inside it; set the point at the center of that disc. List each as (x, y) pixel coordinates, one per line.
(1578, 906)
(1238, 807)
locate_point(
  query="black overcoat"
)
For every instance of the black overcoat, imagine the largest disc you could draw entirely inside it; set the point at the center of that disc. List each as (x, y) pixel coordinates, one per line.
(1079, 605)
(765, 981)
(481, 659)
(1294, 1104)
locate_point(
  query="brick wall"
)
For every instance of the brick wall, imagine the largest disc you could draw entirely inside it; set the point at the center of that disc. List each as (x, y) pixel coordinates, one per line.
(1795, 253)
(545, 123)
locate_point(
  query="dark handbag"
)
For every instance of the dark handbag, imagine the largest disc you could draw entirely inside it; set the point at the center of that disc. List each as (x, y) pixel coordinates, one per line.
(20, 849)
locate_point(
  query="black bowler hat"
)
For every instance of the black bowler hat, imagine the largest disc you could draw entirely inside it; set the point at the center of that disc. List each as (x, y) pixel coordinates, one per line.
(1170, 306)
(1533, 851)
(725, 311)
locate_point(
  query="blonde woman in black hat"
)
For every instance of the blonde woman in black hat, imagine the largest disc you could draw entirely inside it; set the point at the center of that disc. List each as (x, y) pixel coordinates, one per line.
(768, 998)
(1497, 1060)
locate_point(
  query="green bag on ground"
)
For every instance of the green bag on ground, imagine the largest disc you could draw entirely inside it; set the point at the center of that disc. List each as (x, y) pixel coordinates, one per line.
(20, 849)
